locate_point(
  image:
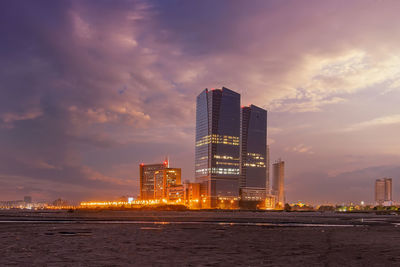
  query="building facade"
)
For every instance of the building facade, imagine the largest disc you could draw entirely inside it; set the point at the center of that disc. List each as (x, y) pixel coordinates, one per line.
(383, 192)
(268, 187)
(165, 178)
(192, 195)
(217, 151)
(147, 172)
(253, 147)
(278, 169)
(176, 194)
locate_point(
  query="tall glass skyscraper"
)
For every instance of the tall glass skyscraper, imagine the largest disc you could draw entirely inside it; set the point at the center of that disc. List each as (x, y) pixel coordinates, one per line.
(253, 146)
(217, 153)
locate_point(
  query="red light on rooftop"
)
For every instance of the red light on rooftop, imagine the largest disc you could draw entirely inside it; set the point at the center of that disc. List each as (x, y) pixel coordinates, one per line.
(165, 162)
(141, 164)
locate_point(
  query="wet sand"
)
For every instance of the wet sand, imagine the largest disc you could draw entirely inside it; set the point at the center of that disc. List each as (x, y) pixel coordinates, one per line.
(148, 238)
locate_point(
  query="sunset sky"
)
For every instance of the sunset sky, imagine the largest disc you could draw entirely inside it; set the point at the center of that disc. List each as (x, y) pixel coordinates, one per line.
(90, 89)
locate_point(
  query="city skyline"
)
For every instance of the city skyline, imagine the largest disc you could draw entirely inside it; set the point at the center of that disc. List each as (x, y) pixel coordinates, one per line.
(91, 89)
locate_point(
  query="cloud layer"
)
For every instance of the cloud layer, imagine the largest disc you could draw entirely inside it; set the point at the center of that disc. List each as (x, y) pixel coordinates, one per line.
(91, 89)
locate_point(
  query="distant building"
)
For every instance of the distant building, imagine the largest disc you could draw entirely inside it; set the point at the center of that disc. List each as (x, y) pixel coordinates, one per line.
(192, 195)
(165, 178)
(383, 192)
(268, 186)
(217, 151)
(252, 194)
(147, 172)
(13, 204)
(60, 203)
(270, 201)
(22, 204)
(28, 199)
(253, 156)
(278, 182)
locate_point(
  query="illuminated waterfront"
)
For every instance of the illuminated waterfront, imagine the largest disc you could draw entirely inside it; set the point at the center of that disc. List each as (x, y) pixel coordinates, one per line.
(199, 133)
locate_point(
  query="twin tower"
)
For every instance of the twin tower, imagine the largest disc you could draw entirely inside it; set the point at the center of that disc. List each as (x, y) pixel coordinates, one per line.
(231, 149)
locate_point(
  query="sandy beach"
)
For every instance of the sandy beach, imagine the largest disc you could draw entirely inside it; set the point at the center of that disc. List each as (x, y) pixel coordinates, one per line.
(190, 238)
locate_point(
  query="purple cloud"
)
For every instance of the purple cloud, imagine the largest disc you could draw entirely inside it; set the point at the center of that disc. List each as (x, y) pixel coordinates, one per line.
(90, 89)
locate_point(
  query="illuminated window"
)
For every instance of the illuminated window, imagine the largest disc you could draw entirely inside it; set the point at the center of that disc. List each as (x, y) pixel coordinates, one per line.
(225, 171)
(218, 139)
(227, 163)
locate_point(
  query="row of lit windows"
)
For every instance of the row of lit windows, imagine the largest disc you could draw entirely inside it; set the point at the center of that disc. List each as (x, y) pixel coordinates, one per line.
(203, 141)
(225, 157)
(253, 198)
(219, 170)
(224, 171)
(227, 163)
(203, 171)
(218, 139)
(225, 136)
(255, 155)
(255, 164)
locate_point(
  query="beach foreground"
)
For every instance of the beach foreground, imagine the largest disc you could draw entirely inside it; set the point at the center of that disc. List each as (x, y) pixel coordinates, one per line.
(190, 238)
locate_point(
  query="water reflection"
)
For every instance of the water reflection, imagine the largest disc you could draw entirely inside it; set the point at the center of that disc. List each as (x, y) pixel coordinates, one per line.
(177, 222)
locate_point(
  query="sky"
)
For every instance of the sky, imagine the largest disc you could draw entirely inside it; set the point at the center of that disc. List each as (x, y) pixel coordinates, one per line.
(91, 89)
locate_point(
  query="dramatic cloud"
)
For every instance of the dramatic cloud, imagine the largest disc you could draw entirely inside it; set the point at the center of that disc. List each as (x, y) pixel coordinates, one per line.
(301, 148)
(386, 120)
(89, 89)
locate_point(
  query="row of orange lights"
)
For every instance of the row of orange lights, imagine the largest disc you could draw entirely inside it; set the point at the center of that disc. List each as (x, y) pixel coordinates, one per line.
(136, 202)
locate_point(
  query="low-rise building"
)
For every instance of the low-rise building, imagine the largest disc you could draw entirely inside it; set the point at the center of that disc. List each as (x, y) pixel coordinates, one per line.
(165, 178)
(192, 195)
(175, 194)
